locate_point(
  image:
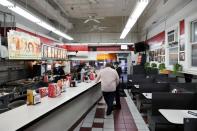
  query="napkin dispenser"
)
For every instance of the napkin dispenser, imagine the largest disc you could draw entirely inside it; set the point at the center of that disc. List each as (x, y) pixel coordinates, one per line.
(33, 97)
(73, 83)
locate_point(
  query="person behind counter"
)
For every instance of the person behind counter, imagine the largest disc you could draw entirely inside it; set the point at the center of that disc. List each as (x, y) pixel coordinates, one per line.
(82, 72)
(58, 72)
(109, 81)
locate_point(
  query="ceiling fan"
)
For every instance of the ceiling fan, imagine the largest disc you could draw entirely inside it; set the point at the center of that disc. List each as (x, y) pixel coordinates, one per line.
(93, 18)
(98, 28)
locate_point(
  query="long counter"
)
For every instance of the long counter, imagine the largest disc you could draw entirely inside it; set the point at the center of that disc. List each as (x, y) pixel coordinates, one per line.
(53, 114)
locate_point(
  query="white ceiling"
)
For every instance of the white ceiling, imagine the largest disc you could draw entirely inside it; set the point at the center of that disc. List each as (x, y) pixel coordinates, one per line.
(158, 11)
(105, 8)
(115, 13)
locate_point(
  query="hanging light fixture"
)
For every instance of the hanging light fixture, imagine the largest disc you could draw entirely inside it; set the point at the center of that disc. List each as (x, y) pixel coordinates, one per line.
(33, 18)
(139, 8)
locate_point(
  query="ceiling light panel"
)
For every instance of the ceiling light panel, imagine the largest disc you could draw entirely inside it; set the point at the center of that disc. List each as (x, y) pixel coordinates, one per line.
(138, 10)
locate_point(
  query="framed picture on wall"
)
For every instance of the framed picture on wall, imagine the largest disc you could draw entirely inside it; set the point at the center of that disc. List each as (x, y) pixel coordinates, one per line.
(151, 55)
(159, 51)
(159, 59)
(163, 59)
(182, 44)
(182, 56)
(162, 51)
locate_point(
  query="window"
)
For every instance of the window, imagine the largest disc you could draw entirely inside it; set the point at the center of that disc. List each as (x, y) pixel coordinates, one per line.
(173, 46)
(194, 55)
(194, 43)
(171, 36)
(173, 55)
(194, 31)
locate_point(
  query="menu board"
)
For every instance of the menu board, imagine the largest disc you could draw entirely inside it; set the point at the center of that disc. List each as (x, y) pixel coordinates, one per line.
(45, 52)
(65, 55)
(49, 51)
(53, 52)
(62, 54)
(23, 46)
(59, 53)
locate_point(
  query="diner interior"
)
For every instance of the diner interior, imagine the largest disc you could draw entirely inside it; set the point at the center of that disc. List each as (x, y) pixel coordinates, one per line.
(52, 51)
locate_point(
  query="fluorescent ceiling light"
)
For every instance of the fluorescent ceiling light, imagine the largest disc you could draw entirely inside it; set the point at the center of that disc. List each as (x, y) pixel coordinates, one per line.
(140, 6)
(33, 18)
(6, 3)
(46, 26)
(25, 14)
(63, 34)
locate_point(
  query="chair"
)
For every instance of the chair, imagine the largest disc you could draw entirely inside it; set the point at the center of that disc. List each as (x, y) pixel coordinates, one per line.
(150, 88)
(4, 100)
(153, 87)
(138, 69)
(166, 80)
(190, 124)
(185, 87)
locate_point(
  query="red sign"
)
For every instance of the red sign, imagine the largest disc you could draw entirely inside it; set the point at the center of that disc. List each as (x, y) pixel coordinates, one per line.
(157, 38)
(75, 47)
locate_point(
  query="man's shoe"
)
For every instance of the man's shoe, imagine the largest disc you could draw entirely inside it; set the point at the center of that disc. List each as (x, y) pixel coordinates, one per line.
(108, 113)
(118, 107)
(115, 107)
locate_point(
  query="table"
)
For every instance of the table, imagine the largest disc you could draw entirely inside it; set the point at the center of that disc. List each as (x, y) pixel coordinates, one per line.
(176, 116)
(148, 95)
(53, 114)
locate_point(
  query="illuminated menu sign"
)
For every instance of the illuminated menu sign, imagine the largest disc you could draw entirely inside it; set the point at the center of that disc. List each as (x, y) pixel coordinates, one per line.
(23, 46)
(44, 51)
(53, 52)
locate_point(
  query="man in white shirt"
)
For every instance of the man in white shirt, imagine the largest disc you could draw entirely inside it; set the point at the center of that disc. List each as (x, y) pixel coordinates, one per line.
(109, 80)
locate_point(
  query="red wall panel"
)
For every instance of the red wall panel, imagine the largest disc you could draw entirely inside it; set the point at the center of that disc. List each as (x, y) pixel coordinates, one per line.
(182, 27)
(76, 47)
(157, 38)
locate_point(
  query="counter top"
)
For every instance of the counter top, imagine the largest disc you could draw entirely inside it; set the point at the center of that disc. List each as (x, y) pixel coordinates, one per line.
(19, 117)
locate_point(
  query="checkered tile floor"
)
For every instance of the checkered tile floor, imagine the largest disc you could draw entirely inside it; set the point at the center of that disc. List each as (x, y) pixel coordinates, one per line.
(96, 120)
